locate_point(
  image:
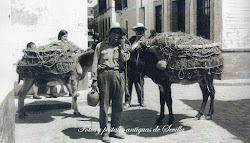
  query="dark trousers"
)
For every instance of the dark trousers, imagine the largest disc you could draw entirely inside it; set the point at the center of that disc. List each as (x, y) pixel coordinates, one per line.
(138, 80)
(111, 84)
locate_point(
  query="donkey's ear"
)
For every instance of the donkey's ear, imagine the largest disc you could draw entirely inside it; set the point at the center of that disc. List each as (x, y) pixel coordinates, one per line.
(143, 46)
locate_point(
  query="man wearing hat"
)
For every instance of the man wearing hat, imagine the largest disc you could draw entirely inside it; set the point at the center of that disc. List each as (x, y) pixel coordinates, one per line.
(134, 77)
(108, 76)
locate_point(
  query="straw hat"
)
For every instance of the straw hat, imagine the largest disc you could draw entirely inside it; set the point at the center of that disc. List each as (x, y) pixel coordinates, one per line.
(117, 25)
(139, 25)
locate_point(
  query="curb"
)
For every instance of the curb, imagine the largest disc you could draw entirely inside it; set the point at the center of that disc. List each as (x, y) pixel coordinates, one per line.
(233, 82)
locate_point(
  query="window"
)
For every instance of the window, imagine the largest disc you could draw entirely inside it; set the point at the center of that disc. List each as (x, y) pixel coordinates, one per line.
(104, 28)
(158, 19)
(125, 4)
(178, 15)
(203, 18)
(103, 32)
(118, 5)
(102, 6)
(100, 28)
(106, 24)
(127, 28)
(109, 23)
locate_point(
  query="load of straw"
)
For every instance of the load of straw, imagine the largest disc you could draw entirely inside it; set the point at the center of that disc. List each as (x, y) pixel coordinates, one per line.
(186, 56)
(56, 59)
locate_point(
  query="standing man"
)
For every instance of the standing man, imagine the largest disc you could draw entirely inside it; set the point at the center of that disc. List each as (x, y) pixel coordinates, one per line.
(108, 76)
(133, 76)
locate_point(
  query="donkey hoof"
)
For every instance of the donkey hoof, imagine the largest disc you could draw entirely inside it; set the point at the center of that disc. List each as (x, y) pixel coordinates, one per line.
(77, 113)
(197, 118)
(208, 117)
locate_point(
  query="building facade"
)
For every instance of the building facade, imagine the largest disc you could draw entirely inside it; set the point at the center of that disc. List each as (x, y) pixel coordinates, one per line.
(106, 15)
(224, 21)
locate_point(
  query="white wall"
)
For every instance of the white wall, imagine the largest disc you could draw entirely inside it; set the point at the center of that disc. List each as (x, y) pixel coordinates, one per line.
(236, 24)
(38, 21)
(149, 15)
(6, 52)
(41, 20)
(130, 14)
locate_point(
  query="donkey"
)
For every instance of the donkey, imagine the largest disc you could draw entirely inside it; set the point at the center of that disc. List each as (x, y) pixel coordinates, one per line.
(146, 63)
(70, 80)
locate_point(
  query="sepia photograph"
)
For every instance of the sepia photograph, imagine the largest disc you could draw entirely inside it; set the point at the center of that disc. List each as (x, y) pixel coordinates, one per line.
(127, 71)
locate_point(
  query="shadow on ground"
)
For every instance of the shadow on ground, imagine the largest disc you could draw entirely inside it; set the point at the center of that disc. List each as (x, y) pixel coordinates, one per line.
(76, 133)
(46, 105)
(43, 112)
(144, 120)
(231, 115)
(140, 119)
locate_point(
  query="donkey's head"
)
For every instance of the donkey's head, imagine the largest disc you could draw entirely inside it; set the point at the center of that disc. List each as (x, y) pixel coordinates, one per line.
(143, 59)
(85, 60)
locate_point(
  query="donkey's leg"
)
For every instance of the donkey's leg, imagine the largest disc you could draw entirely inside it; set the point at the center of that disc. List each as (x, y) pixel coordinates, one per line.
(205, 94)
(35, 90)
(169, 104)
(27, 84)
(212, 94)
(162, 103)
(74, 96)
(68, 86)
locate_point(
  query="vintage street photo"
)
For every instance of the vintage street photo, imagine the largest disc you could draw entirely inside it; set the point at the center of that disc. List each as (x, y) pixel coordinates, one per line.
(128, 71)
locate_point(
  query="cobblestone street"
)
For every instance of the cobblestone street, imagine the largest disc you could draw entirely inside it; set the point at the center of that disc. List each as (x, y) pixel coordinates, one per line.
(50, 120)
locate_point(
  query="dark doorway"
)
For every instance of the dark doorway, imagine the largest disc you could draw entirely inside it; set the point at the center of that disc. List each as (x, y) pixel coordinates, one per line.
(178, 15)
(203, 18)
(158, 19)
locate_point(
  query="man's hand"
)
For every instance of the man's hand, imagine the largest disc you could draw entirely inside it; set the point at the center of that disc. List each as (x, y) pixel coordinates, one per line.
(94, 84)
(125, 48)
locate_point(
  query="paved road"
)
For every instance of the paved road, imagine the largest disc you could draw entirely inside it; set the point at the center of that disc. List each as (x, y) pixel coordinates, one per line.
(54, 122)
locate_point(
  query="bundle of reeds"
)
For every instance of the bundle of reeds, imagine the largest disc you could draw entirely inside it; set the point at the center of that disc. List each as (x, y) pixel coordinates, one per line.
(186, 56)
(56, 59)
